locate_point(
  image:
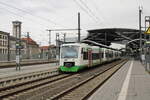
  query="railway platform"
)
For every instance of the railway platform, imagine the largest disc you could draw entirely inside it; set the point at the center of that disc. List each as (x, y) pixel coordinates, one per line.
(9, 72)
(130, 82)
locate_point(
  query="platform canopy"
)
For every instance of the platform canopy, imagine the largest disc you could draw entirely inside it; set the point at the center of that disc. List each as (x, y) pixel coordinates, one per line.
(117, 35)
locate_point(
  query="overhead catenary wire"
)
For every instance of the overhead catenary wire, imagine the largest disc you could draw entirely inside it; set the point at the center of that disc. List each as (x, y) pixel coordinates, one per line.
(84, 9)
(139, 3)
(100, 13)
(16, 14)
(86, 6)
(25, 11)
(87, 10)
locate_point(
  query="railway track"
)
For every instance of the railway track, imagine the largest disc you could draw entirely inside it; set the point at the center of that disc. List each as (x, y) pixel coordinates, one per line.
(86, 88)
(17, 79)
(11, 91)
(60, 86)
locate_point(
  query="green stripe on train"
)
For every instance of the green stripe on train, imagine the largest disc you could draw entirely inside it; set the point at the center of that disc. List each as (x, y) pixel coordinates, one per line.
(71, 69)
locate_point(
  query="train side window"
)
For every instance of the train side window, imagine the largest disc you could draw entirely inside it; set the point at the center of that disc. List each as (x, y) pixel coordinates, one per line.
(102, 54)
(95, 56)
(107, 54)
(82, 51)
(85, 55)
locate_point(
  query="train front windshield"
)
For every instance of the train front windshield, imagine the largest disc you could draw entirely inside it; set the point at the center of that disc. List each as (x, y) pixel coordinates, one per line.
(69, 52)
(147, 44)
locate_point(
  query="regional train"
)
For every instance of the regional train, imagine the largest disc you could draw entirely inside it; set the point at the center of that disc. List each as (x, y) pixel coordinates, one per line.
(77, 56)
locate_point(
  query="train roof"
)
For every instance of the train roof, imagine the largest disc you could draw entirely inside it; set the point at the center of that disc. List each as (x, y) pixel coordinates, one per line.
(77, 44)
(147, 42)
(98, 44)
(93, 46)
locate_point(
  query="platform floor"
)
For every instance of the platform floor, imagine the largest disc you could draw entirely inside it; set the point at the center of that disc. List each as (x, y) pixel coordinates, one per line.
(131, 82)
(6, 72)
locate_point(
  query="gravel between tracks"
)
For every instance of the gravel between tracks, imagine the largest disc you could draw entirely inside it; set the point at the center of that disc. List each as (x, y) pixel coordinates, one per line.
(52, 89)
(85, 90)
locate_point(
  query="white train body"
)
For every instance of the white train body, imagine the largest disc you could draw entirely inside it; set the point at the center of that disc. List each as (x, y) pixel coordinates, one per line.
(76, 56)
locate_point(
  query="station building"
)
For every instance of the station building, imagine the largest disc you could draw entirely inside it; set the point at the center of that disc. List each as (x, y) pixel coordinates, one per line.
(30, 49)
(8, 46)
(3, 42)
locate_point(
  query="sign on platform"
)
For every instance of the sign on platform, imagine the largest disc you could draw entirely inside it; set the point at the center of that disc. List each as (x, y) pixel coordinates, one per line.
(148, 31)
(17, 59)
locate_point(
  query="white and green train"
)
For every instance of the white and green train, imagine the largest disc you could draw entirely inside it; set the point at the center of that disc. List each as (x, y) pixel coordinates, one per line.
(77, 56)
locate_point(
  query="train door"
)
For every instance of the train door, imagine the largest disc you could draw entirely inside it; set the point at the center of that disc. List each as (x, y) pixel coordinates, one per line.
(89, 57)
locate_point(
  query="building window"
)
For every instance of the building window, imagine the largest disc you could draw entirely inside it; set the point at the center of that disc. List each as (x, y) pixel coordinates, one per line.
(6, 37)
(3, 51)
(1, 43)
(6, 51)
(0, 36)
(0, 51)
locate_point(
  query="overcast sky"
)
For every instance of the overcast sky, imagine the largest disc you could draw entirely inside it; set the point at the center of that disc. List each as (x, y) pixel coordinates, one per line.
(38, 15)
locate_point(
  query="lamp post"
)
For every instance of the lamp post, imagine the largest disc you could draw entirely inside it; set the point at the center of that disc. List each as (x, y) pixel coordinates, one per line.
(140, 33)
(49, 52)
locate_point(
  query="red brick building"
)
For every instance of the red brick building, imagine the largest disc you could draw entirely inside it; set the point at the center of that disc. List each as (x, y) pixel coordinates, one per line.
(32, 48)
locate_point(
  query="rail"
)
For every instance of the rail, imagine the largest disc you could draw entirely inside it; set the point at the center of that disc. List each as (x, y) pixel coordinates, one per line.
(26, 62)
(61, 86)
